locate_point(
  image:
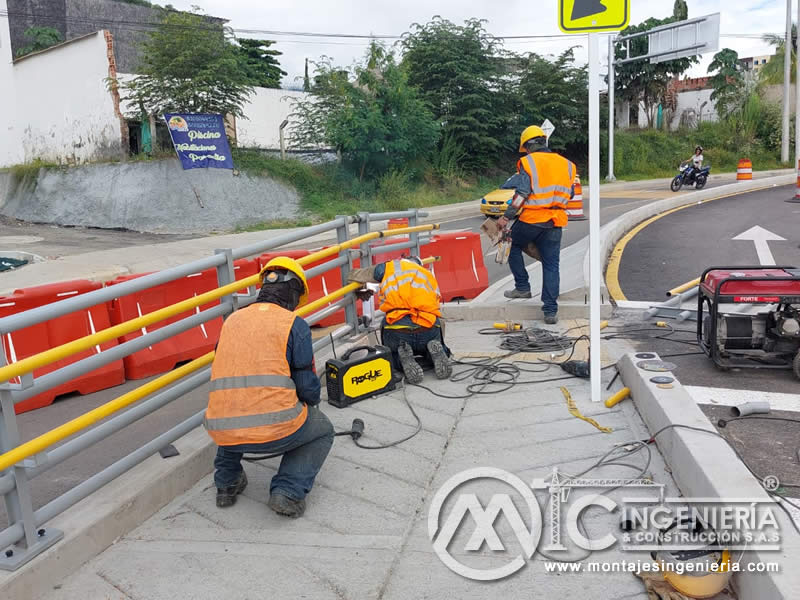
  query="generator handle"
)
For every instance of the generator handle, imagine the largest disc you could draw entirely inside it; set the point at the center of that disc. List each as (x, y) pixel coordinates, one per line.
(369, 349)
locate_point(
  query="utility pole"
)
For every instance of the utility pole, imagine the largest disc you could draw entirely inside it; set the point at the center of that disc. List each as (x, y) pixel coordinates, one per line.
(611, 108)
(787, 78)
(797, 102)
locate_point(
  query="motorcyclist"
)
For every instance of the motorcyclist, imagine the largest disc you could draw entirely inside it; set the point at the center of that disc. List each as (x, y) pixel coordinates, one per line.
(696, 163)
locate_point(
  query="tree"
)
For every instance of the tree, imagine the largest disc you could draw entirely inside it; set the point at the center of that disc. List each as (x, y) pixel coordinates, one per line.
(642, 81)
(39, 38)
(680, 10)
(369, 113)
(555, 90)
(772, 72)
(260, 63)
(190, 65)
(728, 81)
(455, 67)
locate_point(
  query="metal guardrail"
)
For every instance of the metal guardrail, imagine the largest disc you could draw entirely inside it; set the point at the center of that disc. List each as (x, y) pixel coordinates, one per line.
(26, 535)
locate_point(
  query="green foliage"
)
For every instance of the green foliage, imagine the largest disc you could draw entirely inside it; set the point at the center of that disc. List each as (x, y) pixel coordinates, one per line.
(642, 81)
(772, 72)
(647, 154)
(728, 81)
(260, 63)
(330, 190)
(139, 2)
(559, 91)
(370, 114)
(39, 38)
(457, 70)
(680, 10)
(189, 65)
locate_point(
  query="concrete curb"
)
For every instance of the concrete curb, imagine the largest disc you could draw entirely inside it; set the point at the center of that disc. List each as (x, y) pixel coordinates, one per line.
(705, 466)
(96, 522)
(611, 232)
(516, 310)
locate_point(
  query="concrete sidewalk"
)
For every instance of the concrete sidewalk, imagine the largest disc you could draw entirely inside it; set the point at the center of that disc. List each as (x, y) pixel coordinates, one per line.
(365, 534)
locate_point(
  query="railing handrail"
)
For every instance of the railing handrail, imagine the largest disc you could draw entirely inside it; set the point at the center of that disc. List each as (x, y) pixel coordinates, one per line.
(52, 355)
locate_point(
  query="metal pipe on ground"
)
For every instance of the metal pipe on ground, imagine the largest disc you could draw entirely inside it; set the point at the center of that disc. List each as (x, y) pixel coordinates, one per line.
(684, 287)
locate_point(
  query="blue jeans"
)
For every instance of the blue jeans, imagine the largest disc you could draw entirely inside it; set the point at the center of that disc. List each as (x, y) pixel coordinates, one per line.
(392, 338)
(303, 454)
(548, 242)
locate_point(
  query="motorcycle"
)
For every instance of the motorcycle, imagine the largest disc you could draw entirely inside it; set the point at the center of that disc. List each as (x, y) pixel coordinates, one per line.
(690, 176)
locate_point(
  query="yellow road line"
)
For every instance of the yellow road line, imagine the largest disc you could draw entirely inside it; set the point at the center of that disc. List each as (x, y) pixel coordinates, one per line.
(612, 270)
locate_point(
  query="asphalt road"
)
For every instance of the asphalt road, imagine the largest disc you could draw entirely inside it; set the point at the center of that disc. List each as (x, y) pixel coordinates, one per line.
(55, 241)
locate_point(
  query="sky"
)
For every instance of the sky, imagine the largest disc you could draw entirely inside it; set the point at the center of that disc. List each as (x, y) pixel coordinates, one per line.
(511, 17)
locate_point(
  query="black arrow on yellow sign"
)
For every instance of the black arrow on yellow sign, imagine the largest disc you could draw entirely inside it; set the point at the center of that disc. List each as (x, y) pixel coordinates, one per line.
(587, 8)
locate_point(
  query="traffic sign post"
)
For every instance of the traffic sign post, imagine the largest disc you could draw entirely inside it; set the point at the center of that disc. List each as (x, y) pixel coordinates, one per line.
(548, 128)
(591, 16)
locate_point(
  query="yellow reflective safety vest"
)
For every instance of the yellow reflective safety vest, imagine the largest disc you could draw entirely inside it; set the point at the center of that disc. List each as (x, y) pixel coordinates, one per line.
(253, 398)
(551, 187)
(409, 289)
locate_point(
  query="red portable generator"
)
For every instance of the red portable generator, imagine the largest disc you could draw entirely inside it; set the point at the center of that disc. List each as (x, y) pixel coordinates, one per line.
(766, 339)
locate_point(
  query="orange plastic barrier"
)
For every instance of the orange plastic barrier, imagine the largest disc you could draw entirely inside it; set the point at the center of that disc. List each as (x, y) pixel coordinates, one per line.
(191, 344)
(744, 171)
(43, 336)
(461, 272)
(397, 223)
(575, 206)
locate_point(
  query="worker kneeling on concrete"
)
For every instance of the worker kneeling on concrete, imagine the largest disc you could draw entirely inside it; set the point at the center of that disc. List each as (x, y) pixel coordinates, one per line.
(265, 393)
(411, 302)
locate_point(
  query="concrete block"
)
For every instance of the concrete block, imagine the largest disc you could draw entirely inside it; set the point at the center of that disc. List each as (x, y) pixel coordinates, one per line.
(516, 310)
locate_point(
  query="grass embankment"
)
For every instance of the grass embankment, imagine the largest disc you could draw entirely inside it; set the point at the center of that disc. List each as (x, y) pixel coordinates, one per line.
(651, 154)
(329, 190)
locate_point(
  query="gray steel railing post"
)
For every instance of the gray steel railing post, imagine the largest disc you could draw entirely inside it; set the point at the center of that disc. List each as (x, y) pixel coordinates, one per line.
(342, 235)
(18, 501)
(413, 221)
(366, 248)
(227, 274)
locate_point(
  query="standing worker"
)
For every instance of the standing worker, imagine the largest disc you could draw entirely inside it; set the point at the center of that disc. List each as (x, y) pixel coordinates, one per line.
(265, 393)
(411, 301)
(544, 184)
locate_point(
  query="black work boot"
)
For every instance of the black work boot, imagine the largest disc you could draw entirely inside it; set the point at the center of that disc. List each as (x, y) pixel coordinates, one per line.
(411, 368)
(551, 319)
(288, 507)
(515, 293)
(441, 362)
(227, 496)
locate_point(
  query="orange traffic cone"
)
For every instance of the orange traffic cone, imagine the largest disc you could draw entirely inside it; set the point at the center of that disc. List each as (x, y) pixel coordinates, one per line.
(575, 206)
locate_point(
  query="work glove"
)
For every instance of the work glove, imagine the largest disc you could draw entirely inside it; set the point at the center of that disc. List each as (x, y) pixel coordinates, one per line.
(658, 588)
(365, 275)
(364, 294)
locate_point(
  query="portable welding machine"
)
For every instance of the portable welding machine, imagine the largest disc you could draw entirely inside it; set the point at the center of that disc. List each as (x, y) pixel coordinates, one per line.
(350, 380)
(767, 339)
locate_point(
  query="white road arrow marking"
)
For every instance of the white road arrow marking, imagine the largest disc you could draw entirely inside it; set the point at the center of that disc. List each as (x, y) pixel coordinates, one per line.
(761, 237)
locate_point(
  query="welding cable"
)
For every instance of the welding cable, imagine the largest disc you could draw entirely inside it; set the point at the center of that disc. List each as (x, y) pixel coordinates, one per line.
(400, 441)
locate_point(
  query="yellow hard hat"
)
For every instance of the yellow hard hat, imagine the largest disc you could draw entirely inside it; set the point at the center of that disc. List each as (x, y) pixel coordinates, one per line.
(284, 263)
(530, 133)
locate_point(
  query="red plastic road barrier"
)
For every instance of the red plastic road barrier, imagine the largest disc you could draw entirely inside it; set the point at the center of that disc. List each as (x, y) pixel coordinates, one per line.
(44, 336)
(461, 272)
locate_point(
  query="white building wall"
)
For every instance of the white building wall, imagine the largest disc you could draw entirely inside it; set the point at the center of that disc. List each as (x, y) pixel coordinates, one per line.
(10, 147)
(697, 102)
(65, 111)
(265, 111)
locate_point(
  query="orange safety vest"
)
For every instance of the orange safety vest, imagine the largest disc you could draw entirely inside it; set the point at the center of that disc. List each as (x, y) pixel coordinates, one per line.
(408, 289)
(253, 398)
(551, 187)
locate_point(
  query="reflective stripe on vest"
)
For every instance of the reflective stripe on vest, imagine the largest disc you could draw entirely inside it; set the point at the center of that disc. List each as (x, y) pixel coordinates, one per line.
(252, 396)
(548, 195)
(409, 289)
(551, 188)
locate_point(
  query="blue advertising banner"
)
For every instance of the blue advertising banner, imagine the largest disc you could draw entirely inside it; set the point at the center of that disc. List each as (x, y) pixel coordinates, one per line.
(200, 141)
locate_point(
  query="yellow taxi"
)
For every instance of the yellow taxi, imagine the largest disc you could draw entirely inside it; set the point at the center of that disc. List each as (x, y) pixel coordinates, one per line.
(494, 203)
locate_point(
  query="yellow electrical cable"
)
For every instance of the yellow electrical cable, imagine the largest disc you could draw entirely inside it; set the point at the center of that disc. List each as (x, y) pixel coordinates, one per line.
(573, 410)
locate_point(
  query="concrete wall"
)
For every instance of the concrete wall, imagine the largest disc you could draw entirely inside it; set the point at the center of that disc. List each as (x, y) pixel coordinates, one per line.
(157, 196)
(695, 104)
(265, 111)
(10, 147)
(65, 112)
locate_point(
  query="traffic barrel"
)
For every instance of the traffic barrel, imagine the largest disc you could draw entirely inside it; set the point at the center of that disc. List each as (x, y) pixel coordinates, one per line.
(397, 223)
(575, 206)
(744, 171)
(796, 198)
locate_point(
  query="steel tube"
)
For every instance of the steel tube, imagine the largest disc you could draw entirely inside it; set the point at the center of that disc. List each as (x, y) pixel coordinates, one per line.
(336, 335)
(392, 247)
(326, 312)
(684, 287)
(787, 76)
(611, 107)
(286, 238)
(325, 267)
(46, 382)
(395, 215)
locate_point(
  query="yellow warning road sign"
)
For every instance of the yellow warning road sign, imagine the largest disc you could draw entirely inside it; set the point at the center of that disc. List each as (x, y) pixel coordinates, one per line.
(591, 16)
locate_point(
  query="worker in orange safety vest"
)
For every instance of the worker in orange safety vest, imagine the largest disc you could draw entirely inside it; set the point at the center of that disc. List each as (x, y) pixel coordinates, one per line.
(264, 393)
(411, 302)
(544, 185)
